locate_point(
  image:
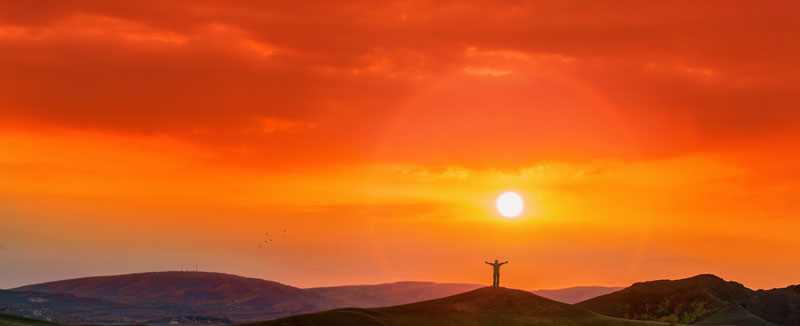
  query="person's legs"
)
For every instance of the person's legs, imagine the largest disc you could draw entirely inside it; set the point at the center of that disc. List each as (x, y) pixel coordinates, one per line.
(498, 279)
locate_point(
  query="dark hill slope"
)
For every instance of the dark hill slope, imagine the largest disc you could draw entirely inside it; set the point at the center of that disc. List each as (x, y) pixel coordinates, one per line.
(734, 314)
(781, 306)
(703, 299)
(484, 306)
(56, 306)
(12, 320)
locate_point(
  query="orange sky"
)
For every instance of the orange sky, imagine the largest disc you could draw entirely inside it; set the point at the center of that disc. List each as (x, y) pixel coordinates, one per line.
(649, 140)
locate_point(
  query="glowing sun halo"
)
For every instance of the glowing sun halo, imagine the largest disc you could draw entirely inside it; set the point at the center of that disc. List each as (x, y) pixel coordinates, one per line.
(509, 204)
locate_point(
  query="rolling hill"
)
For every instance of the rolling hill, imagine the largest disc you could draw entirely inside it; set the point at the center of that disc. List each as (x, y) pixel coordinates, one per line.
(702, 299)
(214, 295)
(484, 306)
(184, 288)
(216, 298)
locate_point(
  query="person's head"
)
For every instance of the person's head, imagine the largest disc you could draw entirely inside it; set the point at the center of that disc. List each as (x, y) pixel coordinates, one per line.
(495, 260)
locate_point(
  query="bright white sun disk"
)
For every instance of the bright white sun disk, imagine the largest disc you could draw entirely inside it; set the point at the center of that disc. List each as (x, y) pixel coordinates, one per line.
(509, 204)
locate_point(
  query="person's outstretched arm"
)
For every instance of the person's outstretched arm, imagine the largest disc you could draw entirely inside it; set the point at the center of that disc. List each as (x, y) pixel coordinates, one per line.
(505, 262)
(487, 262)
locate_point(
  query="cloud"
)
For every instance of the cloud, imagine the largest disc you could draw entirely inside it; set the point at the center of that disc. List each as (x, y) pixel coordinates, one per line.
(397, 82)
(486, 71)
(270, 125)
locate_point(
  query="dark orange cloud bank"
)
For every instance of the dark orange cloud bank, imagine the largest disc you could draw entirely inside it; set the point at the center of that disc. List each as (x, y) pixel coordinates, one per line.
(649, 140)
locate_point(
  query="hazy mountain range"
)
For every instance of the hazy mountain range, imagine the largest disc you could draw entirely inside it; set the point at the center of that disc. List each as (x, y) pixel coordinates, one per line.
(576, 294)
(163, 297)
(216, 298)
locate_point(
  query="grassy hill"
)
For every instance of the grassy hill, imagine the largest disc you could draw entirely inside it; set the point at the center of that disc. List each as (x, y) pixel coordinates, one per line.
(702, 299)
(12, 320)
(484, 306)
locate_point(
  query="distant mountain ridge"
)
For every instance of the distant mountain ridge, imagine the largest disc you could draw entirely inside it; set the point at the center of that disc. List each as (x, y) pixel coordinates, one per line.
(576, 294)
(703, 299)
(391, 294)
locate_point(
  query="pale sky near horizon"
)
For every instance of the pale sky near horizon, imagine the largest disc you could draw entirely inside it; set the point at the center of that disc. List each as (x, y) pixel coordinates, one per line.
(649, 140)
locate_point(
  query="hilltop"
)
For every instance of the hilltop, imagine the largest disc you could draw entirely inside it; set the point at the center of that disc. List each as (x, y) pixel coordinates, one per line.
(484, 306)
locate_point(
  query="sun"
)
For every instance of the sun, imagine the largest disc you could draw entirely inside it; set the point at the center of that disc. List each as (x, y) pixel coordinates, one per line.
(509, 204)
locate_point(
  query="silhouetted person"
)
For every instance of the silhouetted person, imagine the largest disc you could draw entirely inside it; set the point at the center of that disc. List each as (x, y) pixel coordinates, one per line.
(496, 275)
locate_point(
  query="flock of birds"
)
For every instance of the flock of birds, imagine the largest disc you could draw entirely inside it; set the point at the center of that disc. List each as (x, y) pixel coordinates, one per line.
(268, 239)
